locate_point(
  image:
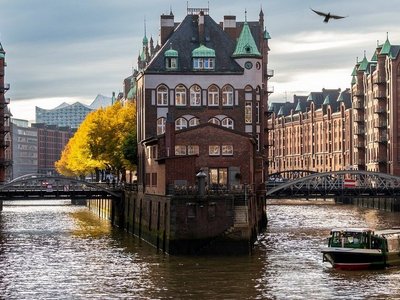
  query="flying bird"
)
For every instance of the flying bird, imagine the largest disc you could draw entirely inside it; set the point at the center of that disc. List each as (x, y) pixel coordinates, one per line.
(327, 15)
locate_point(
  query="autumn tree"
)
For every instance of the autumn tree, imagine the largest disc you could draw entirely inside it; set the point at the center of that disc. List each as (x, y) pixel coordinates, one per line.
(100, 142)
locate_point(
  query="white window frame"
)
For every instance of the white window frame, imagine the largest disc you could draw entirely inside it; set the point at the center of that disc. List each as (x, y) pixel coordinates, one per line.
(227, 150)
(228, 123)
(161, 123)
(195, 95)
(171, 63)
(194, 122)
(180, 95)
(193, 150)
(214, 121)
(248, 112)
(180, 123)
(214, 150)
(162, 96)
(213, 96)
(227, 95)
(180, 150)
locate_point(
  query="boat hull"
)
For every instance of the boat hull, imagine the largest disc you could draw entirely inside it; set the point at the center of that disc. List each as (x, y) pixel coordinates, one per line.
(354, 259)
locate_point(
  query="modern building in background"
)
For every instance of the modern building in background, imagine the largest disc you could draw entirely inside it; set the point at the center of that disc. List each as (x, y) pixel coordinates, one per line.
(24, 149)
(312, 133)
(71, 115)
(5, 136)
(376, 106)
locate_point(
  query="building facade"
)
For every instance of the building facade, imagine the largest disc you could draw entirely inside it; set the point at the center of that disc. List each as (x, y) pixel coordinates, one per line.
(201, 104)
(376, 97)
(204, 73)
(311, 133)
(5, 135)
(24, 148)
(51, 141)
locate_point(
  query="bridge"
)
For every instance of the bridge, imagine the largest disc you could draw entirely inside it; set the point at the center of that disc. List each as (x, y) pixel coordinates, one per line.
(345, 183)
(39, 186)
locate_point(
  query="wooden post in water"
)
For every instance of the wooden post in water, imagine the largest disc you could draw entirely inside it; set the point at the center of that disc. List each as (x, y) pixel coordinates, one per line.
(1, 205)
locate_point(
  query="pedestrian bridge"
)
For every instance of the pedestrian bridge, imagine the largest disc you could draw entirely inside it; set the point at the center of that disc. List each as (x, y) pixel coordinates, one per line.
(39, 186)
(334, 184)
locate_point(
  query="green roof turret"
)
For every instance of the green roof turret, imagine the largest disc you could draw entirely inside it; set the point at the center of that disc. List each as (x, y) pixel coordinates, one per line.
(298, 107)
(327, 100)
(363, 64)
(2, 52)
(172, 53)
(203, 51)
(246, 45)
(267, 36)
(353, 80)
(280, 112)
(386, 46)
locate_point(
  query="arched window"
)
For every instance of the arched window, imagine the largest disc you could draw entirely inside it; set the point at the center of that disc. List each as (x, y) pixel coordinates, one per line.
(180, 123)
(228, 123)
(194, 122)
(215, 121)
(213, 96)
(162, 95)
(248, 93)
(180, 95)
(227, 95)
(195, 96)
(161, 126)
(248, 113)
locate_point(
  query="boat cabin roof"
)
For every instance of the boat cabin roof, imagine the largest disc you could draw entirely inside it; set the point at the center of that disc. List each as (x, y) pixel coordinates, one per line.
(352, 229)
(388, 232)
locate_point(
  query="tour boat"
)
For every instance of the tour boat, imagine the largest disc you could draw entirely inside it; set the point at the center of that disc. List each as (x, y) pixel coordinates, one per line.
(362, 248)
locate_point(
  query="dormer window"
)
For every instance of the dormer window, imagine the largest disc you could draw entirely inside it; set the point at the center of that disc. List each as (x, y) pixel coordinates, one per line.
(203, 58)
(171, 59)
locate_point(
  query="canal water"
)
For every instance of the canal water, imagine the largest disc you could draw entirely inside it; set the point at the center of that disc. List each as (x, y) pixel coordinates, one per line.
(65, 252)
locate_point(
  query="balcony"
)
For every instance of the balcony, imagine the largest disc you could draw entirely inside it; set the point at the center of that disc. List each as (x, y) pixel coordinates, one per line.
(379, 94)
(270, 89)
(380, 124)
(379, 109)
(379, 79)
(358, 105)
(359, 130)
(268, 73)
(359, 118)
(7, 101)
(359, 144)
(381, 139)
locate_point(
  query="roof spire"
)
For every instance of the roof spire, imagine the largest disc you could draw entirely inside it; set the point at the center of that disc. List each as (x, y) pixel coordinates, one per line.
(245, 15)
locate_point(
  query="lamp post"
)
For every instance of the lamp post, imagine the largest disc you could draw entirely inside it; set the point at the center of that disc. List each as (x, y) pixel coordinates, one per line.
(201, 177)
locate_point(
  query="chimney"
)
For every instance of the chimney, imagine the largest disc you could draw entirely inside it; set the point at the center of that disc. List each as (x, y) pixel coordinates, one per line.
(167, 27)
(201, 27)
(170, 135)
(230, 26)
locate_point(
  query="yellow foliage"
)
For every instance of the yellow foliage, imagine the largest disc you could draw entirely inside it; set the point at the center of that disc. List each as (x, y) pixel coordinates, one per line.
(98, 140)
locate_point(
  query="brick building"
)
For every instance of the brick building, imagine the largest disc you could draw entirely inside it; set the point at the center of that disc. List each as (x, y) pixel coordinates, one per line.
(51, 141)
(5, 136)
(204, 73)
(376, 97)
(311, 133)
(201, 102)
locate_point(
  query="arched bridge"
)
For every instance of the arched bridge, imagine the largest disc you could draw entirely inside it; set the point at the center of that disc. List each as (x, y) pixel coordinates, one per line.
(39, 186)
(335, 184)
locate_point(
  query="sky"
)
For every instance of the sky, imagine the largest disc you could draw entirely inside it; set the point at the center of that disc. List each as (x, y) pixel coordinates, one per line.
(71, 50)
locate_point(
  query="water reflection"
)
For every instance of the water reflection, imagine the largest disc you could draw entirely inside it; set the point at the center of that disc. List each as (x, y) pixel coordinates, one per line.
(68, 253)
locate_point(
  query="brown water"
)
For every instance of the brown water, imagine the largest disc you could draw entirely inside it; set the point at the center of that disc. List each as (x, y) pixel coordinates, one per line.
(65, 252)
